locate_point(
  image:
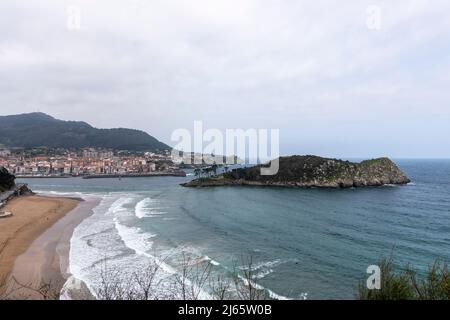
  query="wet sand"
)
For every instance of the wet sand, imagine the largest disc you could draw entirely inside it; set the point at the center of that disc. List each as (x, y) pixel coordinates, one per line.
(36, 243)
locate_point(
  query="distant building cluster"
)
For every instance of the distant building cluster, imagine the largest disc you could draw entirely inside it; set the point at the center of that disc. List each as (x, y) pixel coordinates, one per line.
(4, 152)
(86, 162)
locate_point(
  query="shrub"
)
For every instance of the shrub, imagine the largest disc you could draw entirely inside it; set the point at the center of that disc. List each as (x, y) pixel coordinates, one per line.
(405, 284)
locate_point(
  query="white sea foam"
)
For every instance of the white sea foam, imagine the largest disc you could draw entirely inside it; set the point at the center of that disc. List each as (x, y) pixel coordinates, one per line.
(213, 262)
(92, 241)
(134, 238)
(146, 208)
(262, 274)
(276, 296)
(109, 235)
(139, 243)
(262, 265)
(77, 194)
(140, 208)
(264, 269)
(257, 286)
(96, 240)
(119, 205)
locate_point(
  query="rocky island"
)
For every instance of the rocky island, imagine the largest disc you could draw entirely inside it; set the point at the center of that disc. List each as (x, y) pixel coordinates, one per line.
(312, 171)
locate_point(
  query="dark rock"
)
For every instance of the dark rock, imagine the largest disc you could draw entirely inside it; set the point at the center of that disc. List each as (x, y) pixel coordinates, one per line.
(6, 180)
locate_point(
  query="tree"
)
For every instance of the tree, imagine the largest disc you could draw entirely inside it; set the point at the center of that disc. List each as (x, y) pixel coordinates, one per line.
(207, 171)
(214, 168)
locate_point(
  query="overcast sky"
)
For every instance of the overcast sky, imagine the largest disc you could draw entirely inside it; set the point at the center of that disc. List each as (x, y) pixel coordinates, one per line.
(335, 81)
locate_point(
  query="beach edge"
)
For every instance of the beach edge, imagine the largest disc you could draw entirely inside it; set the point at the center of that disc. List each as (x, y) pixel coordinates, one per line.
(46, 258)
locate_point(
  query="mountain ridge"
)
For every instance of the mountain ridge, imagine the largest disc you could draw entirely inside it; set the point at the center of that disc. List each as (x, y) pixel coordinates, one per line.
(37, 129)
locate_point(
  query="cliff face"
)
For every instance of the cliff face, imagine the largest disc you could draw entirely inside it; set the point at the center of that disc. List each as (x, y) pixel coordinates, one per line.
(6, 180)
(312, 171)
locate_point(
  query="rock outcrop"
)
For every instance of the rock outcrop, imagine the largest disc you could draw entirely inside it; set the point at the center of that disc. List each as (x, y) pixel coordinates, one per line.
(6, 180)
(312, 171)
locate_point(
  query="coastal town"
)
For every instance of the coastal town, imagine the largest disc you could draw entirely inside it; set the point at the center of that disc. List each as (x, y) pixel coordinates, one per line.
(87, 162)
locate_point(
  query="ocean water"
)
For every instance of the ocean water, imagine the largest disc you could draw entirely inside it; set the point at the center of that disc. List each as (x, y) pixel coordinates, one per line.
(310, 243)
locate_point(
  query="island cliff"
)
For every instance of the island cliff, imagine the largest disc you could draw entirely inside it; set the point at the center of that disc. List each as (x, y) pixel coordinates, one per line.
(312, 171)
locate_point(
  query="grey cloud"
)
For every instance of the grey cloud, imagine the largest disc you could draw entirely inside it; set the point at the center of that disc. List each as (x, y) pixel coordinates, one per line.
(308, 67)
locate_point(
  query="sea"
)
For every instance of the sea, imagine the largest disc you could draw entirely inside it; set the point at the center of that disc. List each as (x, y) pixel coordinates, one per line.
(302, 243)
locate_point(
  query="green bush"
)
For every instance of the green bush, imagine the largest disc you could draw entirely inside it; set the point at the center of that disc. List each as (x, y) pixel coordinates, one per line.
(406, 285)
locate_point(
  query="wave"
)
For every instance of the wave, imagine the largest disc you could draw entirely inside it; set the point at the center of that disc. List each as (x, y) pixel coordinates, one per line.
(213, 262)
(134, 238)
(119, 205)
(77, 194)
(91, 242)
(257, 286)
(262, 274)
(262, 265)
(140, 208)
(108, 236)
(260, 271)
(263, 269)
(101, 239)
(143, 209)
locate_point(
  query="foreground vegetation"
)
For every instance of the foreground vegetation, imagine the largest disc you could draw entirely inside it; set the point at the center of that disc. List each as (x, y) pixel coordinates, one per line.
(195, 278)
(405, 284)
(193, 281)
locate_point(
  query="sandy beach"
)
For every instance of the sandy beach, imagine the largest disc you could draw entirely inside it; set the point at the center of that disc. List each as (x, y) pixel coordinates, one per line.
(34, 242)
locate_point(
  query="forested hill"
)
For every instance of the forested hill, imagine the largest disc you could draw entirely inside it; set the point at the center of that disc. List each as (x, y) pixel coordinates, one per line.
(41, 130)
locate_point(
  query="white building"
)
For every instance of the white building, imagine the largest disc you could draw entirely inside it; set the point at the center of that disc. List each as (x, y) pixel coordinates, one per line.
(5, 152)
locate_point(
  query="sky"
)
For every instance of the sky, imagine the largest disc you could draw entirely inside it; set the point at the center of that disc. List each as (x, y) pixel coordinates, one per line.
(348, 78)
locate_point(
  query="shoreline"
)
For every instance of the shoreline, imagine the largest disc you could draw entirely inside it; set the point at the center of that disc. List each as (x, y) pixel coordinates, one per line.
(37, 244)
(179, 173)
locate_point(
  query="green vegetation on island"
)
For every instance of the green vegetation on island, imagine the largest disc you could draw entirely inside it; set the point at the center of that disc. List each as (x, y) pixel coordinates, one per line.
(311, 171)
